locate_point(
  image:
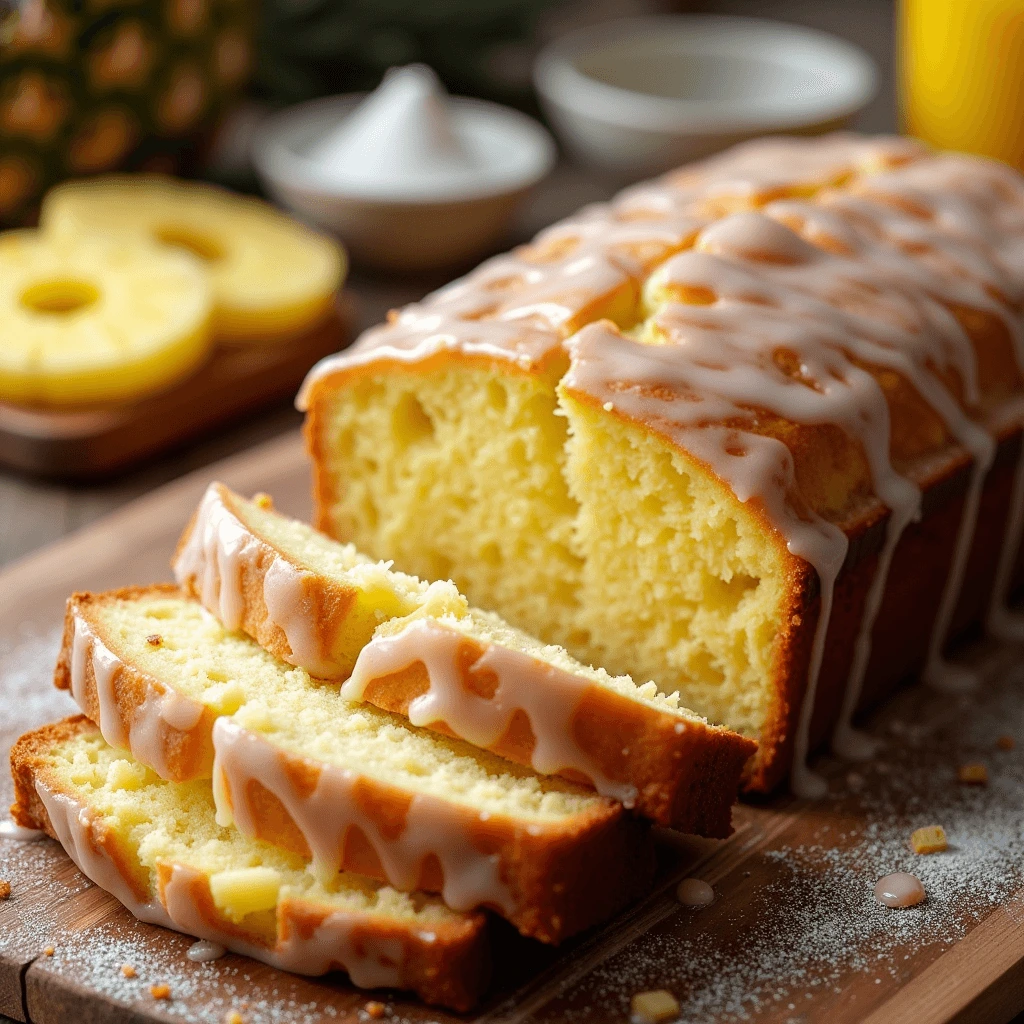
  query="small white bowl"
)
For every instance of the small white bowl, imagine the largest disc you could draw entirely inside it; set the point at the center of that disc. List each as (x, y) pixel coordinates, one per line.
(413, 232)
(640, 95)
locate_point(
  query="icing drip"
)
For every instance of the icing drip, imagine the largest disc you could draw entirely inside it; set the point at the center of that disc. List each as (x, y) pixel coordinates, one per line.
(204, 950)
(73, 825)
(217, 547)
(161, 711)
(694, 892)
(350, 940)
(219, 552)
(12, 830)
(899, 890)
(288, 610)
(324, 816)
(549, 697)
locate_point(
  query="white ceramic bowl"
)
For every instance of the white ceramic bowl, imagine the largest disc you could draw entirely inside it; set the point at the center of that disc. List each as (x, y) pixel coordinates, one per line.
(412, 233)
(641, 95)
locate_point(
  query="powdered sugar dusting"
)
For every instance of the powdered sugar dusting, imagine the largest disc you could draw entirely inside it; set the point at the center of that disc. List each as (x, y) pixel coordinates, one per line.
(798, 915)
(797, 939)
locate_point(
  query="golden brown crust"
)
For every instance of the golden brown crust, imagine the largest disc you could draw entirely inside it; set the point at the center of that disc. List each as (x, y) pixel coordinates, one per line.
(563, 877)
(325, 601)
(686, 773)
(450, 966)
(187, 753)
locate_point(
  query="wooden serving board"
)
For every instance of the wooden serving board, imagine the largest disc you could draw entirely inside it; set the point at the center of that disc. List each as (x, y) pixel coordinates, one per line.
(794, 934)
(237, 381)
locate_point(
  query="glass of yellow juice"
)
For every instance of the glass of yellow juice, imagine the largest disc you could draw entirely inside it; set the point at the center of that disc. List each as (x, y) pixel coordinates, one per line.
(961, 75)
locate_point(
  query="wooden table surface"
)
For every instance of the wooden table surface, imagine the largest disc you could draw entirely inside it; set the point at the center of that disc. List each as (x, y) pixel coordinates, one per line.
(34, 513)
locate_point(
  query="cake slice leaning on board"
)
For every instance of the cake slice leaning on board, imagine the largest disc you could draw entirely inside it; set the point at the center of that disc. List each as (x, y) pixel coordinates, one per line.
(157, 848)
(348, 785)
(777, 479)
(420, 651)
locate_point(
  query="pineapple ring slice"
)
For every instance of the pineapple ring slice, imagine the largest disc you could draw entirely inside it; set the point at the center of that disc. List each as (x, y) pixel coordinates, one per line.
(272, 276)
(95, 319)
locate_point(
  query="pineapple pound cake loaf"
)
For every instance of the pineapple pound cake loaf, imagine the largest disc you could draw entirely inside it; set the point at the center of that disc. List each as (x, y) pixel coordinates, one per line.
(751, 430)
(419, 650)
(349, 786)
(156, 846)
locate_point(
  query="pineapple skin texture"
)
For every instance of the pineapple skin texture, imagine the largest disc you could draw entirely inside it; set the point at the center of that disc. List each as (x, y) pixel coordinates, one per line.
(87, 87)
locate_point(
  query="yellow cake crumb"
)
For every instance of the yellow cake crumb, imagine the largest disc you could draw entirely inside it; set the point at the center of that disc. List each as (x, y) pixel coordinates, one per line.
(127, 970)
(930, 839)
(49, 951)
(375, 1009)
(973, 774)
(160, 991)
(5, 889)
(652, 1007)
(234, 1017)
(263, 500)
(1006, 743)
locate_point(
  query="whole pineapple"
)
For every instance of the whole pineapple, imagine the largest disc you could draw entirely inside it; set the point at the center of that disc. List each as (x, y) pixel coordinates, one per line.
(92, 85)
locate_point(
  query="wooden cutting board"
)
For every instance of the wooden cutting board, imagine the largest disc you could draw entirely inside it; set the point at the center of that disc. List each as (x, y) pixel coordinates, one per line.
(794, 935)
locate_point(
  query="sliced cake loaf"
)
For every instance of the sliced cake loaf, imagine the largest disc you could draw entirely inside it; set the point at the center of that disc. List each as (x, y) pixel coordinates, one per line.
(157, 848)
(309, 600)
(351, 786)
(759, 486)
(459, 671)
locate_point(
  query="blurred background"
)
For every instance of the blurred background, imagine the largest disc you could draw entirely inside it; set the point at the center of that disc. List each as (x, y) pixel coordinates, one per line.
(220, 89)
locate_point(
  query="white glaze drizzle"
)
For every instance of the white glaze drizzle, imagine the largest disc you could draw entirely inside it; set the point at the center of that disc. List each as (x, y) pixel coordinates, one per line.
(343, 939)
(288, 609)
(212, 558)
(162, 709)
(548, 695)
(204, 950)
(218, 552)
(324, 816)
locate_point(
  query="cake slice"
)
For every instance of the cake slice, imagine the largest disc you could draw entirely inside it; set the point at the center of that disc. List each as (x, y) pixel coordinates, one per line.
(309, 600)
(346, 784)
(315, 602)
(157, 848)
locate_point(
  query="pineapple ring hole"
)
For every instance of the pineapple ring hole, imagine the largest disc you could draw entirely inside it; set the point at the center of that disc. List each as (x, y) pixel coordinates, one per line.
(59, 297)
(206, 248)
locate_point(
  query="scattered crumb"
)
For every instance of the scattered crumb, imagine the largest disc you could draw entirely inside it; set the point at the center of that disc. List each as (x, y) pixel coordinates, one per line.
(652, 1007)
(1006, 743)
(263, 500)
(127, 970)
(234, 1017)
(154, 639)
(160, 991)
(608, 407)
(5, 889)
(49, 951)
(930, 839)
(375, 1009)
(973, 774)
